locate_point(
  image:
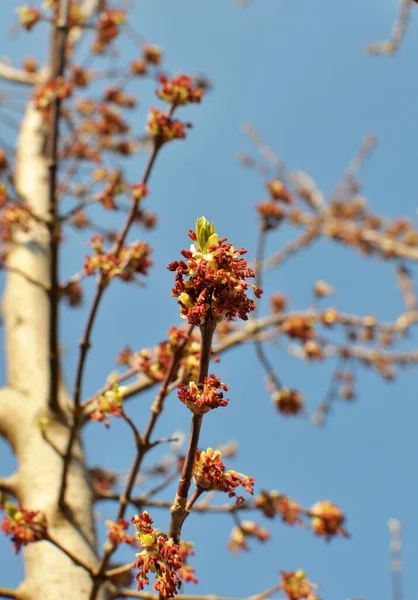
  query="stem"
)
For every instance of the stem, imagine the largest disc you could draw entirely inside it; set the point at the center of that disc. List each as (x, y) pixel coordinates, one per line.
(124, 501)
(259, 349)
(59, 38)
(85, 343)
(84, 347)
(179, 510)
(7, 593)
(142, 449)
(135, 431)
(194, 498)
(150, 596)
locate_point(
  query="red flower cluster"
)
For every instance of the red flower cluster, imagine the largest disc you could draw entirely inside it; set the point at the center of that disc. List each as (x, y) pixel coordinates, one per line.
(186, 572)
(273, 503)
(110, 403)
(301, 327)
(138, 67)
(120, 98)
(47, 93)
(278, 302)
(80, 77)
(139, 191)
(73, 293)
(327, 519)
(13, 218)
(211, 285)
(179, 90)
(30, 64)
(117, 532)
(154, 362)
(24, 526)
(160, 555)
(152, 54)
(115, 185)
(163, 128)
(247, 529)
(209, 473)
(297, 586)
(287, 401)
(130, 260)
(107, 28)
(329, 317)
(271, 213)
(278, 191)
(28, 17)
(201, 398)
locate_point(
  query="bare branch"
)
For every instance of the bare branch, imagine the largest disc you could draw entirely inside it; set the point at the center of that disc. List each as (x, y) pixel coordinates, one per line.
(15, 75)
(9, 484)
(151, 596)
(7, 593)
(391, 45)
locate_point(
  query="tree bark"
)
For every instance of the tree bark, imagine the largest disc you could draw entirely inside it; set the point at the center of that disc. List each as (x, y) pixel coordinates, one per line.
(50, 574)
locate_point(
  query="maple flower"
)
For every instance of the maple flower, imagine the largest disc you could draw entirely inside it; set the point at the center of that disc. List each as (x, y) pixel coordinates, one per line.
(298, 326)
(278, 302)
(272, 503)
(130, 260)
(329, 317)
(30, 65)
(179, 90)
(117, 532)
(271, 213)
(159, 555)
(163, 128)
(212, 285)
(287, 401)
(322, 288)
(152, 54)
(110, 403)
(154, 362)
(114, 94)
(209, 473)
(186, 572)
(201, 398)
(297, 586)
(73, 293)
(139, 67)
(24, 526)
(327, 519)
(13, 218)
(107, 28)
(139, 191)
(247, 529)
(28, 17)
(278, 191)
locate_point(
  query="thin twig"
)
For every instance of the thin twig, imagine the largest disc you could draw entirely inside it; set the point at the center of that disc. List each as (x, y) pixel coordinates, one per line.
(8, 593)
(85, 343)
(58, 59)
(142, 449)
(179, 510)
(272, 378)
(396, 558)
(150, 596)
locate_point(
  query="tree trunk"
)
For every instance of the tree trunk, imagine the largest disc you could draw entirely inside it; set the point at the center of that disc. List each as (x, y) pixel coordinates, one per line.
(50, 574)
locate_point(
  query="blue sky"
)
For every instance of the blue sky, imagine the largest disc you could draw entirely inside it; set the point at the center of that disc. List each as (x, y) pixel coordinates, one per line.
(298, 72)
